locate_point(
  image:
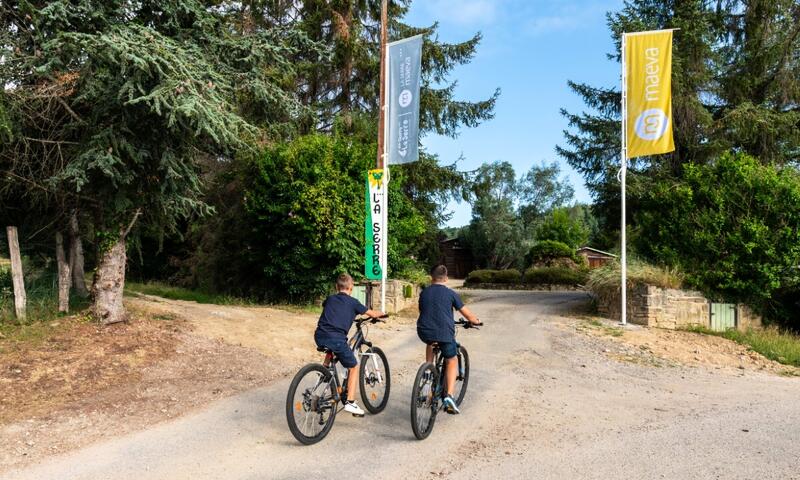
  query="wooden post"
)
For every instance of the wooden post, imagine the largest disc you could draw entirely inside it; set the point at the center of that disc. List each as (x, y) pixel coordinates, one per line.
(20, 300)
(382, 106)
(64, 277)
(76, 260)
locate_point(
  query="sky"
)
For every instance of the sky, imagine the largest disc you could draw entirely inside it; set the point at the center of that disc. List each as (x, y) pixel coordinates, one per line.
(530, 48)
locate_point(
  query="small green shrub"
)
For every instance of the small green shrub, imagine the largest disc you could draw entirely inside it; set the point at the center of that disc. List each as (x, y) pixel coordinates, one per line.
(480, 276)
(555, 276)
(548, 250)
(508, 276)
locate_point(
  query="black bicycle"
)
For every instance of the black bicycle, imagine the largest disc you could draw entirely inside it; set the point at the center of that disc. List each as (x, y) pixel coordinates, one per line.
(316, 394)
(427, 396)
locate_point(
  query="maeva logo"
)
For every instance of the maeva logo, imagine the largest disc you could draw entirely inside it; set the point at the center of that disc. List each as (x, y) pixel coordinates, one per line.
(651, 124)
(405, 98)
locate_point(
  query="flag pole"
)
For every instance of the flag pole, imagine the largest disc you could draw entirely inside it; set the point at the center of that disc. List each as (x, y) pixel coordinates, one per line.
(623, 173)
(382, 127)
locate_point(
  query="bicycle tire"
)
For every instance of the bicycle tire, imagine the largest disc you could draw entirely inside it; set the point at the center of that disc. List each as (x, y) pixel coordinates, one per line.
(463, 379)
(292, 405)
(362, 382)
(423, 431)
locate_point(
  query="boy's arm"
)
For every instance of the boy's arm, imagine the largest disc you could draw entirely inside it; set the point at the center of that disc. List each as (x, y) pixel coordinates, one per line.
(374, 313)
(471, 317)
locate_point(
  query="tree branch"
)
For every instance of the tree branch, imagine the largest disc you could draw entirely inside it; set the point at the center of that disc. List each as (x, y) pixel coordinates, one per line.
(133, 221)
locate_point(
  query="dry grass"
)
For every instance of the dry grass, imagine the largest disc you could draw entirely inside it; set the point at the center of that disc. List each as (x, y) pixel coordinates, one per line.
(606, 280)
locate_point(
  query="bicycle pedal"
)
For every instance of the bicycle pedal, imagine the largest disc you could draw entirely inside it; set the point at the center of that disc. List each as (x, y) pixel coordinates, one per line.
(358, 416)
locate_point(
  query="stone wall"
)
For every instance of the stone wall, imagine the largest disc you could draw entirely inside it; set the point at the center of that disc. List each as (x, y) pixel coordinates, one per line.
(669, 308)
(396, 299)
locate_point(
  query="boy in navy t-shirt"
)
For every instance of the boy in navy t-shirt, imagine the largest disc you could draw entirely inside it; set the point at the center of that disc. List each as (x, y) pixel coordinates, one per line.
(338, 313)
(435, 324)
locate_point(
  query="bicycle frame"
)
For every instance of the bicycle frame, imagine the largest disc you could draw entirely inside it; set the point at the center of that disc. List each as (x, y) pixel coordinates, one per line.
(358, 340)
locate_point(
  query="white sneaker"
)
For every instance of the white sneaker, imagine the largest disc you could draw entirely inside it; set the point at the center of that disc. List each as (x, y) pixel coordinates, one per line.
(352, 407)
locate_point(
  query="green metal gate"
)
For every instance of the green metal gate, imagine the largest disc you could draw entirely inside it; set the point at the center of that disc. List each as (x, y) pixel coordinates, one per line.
(723, 316)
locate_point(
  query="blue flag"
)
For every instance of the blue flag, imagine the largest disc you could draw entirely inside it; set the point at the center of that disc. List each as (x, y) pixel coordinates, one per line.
(404, 74)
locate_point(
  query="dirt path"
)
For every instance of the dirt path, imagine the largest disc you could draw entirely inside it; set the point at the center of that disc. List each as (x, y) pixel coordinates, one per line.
(544, 401)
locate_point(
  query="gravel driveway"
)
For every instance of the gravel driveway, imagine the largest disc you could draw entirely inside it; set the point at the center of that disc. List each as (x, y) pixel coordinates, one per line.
(543, 402)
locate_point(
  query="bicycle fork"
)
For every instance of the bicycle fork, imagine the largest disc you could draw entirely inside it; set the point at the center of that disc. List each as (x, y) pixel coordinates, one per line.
(374, 359)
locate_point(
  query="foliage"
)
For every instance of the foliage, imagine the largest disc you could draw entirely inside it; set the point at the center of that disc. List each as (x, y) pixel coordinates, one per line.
(508, 276)
(306, 200)
(555, 276)
(548, 250)
(606, 280)
(732, 225)
(177, 293)
(736, 87)
(299, 221)
(541, 190)
(495, 234)
(780, 346)
(559, 226)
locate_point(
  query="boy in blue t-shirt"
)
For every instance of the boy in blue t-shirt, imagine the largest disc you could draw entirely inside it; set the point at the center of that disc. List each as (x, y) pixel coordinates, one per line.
(338, 313)
(435, 324)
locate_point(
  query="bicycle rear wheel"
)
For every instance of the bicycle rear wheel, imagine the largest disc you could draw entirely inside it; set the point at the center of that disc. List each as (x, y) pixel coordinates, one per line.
(374, 380)
(462, 380)
(424, 402)
(311, 404)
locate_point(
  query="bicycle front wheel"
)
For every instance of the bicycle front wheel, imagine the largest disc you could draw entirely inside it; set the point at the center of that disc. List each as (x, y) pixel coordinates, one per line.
(424, 401)
(311, 404)
(374, 380)
(463, 375)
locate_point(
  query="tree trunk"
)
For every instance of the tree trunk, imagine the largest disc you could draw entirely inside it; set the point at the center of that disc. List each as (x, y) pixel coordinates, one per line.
(20, 300)
(109, 283)
(76, 261)
(64, 279)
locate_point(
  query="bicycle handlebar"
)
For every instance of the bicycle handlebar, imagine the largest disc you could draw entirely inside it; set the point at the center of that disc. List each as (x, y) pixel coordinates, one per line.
(372, 319)
(468, 324)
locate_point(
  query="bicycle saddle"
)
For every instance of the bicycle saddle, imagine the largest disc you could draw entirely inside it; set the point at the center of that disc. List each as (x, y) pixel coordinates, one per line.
(324, 350)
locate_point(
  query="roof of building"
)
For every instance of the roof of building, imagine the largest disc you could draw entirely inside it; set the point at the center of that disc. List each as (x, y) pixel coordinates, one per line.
(597, 251)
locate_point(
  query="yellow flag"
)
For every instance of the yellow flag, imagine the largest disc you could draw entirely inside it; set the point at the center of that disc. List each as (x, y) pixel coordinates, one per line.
(648, 60)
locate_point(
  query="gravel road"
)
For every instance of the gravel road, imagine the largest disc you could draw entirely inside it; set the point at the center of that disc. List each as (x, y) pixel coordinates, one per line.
(543, 402)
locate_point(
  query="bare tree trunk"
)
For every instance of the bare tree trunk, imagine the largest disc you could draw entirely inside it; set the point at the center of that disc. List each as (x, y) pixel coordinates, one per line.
(64, 279)
(76, 261)
(20, 300)
(109, 283)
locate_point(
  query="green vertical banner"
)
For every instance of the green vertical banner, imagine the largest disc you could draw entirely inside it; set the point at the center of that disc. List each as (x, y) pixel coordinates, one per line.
(375, 228)
(404, 76)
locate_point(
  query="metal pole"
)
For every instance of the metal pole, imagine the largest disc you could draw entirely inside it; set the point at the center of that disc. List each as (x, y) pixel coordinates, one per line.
(382, 150)
(623, 173)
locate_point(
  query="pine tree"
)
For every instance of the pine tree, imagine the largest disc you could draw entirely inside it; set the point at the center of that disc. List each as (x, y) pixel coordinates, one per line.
(113, 106)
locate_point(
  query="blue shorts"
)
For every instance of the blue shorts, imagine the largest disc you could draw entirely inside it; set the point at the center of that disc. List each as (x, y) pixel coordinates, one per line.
(339, 348)
(448, 349)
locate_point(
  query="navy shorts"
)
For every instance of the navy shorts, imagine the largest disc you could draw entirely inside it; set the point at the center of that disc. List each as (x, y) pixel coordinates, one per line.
(449, 349)
(339, 348)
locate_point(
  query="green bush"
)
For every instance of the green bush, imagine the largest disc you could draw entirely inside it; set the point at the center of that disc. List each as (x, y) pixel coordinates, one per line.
(555, 276)
(548, 250)
(494, 276)
(732, 226)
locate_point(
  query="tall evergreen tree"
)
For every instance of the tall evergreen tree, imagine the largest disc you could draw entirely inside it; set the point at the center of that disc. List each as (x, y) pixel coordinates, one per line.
(115, 104)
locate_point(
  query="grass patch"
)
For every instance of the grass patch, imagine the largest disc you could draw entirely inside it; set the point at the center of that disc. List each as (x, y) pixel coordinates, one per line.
(782, 347)
(603, 328)
(307, 308)
(177, 293)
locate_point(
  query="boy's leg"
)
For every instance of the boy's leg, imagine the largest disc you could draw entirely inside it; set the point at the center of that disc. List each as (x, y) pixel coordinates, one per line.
(352, 378)
(451, 373)
(429, 353)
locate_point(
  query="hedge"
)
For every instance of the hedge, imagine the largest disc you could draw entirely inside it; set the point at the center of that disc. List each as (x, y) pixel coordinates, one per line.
(494, 276)
(555, 276)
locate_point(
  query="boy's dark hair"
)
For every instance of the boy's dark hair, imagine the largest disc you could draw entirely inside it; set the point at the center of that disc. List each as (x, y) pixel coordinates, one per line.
(343, 282)
(439, 273)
